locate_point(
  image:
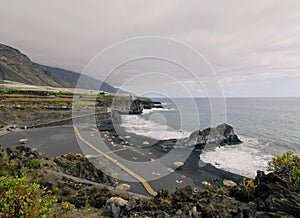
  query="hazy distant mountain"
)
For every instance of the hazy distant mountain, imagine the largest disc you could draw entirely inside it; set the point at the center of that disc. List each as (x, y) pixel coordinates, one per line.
(16, 66)
(68, 78)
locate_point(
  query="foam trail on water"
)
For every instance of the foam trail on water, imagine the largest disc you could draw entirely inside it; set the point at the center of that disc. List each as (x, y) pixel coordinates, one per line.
(149, 128)
(243, 159)
(147, 111)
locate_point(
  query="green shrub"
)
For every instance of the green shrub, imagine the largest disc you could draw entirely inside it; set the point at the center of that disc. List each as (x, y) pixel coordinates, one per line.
(217, 190)
(86, 209)
(34, 163)
(3, 123)
(296, 175)
(288, 163)
(18, 198)
(67, 207)
(4, 163)
(249, 186)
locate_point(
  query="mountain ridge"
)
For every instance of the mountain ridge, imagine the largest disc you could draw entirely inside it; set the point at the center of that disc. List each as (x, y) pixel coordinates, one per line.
(17, 66)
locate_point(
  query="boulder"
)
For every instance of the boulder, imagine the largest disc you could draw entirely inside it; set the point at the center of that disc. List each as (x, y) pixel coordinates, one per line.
(229, 183)
(123, 187)
(115, 207)
(179, 212)
(106, 125)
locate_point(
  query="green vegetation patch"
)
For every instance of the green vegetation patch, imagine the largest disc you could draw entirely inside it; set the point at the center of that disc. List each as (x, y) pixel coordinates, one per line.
(288, 163)
(34, 163)
(18, 198)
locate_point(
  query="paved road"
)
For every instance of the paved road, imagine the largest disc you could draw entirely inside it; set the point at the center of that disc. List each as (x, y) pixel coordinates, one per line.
(55, 141)
(114, 161)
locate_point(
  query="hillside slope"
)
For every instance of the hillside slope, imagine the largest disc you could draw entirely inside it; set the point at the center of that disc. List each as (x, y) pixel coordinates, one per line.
(68, 78)
(16, 66)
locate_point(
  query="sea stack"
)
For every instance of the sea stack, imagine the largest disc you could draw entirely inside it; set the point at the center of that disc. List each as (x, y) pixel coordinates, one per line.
(222, 135)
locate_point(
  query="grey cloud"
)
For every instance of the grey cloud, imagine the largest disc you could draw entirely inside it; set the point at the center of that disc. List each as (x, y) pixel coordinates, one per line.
(243, 40)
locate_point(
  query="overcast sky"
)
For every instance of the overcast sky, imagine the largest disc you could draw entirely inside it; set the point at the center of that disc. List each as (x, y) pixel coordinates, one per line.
(254, 46)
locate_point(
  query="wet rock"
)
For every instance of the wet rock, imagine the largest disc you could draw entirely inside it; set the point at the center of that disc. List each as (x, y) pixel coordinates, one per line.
(105, 125)
(231, 140)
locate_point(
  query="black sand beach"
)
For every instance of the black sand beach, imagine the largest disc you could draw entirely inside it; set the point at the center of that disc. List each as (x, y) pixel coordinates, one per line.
(55, 141)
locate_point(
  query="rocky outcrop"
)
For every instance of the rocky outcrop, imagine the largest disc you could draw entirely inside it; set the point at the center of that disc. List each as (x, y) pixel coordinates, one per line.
(79, 166)
(221, 135)
(275, 193)
(149, 104)
(218, 206)
(70, 164)
(24, 154)
(271, 195)
(115, 207)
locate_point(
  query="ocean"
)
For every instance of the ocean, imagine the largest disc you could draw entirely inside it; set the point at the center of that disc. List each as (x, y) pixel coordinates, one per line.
(267, 127)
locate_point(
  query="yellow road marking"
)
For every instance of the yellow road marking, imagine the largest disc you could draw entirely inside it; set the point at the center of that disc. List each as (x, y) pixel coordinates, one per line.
(127, 170)
(117, 150)
(113, 151)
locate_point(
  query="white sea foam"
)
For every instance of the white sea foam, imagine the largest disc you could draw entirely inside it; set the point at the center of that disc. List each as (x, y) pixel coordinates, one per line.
(243, 159)
(150, 128)
(147, 111)
(165, 104)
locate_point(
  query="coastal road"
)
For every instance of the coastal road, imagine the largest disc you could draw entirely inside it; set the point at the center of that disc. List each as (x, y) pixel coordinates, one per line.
(55, 141)
(123, 167)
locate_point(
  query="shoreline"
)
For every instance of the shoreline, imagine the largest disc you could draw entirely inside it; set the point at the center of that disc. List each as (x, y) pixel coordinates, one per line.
(56, 145)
